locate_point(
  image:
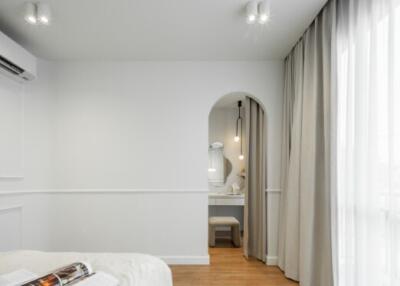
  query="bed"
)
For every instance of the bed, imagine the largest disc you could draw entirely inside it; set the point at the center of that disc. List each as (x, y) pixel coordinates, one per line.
(129, 269)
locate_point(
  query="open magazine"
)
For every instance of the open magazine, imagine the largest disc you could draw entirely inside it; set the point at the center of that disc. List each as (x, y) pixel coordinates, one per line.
(79, 274)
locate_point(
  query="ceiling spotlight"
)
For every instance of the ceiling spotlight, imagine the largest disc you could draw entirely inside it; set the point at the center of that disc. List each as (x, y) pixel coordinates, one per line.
(39, 13)
(43, 13)
(263, 12)
(258, 11)
(30, 13)
(251, 12)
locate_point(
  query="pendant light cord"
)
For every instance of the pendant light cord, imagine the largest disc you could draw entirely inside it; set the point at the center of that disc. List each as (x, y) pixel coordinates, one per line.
(241, 126)
(237, 120)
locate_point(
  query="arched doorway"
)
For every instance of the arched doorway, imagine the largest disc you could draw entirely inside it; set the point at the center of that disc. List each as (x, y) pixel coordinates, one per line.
(237, 150)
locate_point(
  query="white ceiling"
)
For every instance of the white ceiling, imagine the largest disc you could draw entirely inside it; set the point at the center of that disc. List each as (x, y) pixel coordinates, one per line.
(159, 29)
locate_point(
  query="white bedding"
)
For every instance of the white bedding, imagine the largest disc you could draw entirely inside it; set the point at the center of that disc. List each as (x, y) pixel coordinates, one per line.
(129, 269)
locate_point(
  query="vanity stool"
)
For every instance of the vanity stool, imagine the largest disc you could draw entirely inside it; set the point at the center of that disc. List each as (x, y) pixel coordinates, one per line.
(234, 224)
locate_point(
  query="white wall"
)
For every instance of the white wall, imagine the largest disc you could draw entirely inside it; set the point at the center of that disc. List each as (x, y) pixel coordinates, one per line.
(11, 126)
(37, 132)
(125, 145)
(121, 123)
(24, 219)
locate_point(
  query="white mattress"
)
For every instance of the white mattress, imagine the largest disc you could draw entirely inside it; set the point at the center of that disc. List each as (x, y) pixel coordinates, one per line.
(129, 269)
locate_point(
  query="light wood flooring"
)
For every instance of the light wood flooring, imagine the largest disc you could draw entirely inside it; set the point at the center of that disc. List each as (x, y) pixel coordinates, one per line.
(229, 267)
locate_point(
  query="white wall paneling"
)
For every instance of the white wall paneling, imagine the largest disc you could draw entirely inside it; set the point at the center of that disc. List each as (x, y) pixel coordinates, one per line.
(107, 127)
(34, 145)
(11, 128)
(170, 224)
(11, 227)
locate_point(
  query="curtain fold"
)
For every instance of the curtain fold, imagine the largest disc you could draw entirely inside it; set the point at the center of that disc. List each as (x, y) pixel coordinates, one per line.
(305, 247)
(289, 209)
(254, 211)
(340, 207)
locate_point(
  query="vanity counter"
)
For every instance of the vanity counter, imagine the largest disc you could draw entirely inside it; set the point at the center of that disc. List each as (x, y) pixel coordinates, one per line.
(220, 199)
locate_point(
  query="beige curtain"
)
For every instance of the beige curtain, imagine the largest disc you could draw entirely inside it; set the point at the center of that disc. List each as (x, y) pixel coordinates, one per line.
(305, 248)
(292, 113)
(255, 212)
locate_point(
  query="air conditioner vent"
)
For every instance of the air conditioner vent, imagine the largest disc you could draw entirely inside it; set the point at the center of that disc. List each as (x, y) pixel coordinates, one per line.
(15, 61)
(9, 66)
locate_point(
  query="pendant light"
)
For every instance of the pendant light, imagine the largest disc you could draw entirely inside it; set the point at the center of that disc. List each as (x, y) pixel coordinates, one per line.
(238, 120)
(239, 124)
(241, 156)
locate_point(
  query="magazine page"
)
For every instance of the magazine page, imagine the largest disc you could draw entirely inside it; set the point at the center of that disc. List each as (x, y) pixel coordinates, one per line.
(63, 276)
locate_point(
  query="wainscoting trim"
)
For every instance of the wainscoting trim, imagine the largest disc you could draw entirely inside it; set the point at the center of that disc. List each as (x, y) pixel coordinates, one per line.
(186, 260)
(271, 260)
(102, 191)
(112, 191)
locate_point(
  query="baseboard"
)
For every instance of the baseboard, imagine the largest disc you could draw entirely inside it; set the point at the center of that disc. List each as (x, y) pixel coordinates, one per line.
(186, 260)
(271, 260)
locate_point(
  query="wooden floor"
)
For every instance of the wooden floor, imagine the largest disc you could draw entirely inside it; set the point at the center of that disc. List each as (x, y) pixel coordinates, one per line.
(229, 267)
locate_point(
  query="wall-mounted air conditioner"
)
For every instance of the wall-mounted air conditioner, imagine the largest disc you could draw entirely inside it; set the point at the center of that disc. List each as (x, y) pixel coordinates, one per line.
(15, 61)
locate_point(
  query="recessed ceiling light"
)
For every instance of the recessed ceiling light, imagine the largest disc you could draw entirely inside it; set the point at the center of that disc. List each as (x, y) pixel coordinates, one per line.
(30, 13)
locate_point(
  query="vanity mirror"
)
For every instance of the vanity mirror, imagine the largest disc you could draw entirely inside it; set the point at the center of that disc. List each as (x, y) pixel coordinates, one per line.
(216, 164)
